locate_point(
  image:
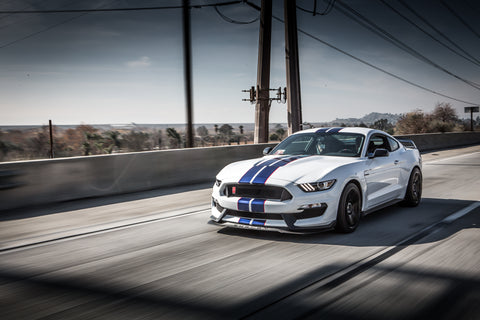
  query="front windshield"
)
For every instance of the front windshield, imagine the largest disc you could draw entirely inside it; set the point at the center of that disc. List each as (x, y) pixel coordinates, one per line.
(340, 144)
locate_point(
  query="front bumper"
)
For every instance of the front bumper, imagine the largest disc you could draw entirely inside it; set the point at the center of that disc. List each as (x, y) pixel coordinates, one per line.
(293, 215)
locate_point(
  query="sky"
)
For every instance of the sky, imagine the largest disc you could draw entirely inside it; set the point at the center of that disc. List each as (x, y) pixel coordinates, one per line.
(123, 67)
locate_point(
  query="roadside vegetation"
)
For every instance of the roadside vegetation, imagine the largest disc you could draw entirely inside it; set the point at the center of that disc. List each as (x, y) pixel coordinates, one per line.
(85, 140)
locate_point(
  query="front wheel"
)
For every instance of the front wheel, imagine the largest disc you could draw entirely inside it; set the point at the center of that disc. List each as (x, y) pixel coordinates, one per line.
(414, 189)
(349, 207)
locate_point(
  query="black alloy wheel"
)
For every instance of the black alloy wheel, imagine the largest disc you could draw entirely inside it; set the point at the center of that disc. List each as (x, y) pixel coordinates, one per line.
(349, 208)
(414, 189)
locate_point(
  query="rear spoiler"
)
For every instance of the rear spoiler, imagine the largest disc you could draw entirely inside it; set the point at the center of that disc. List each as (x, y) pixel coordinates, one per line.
(407, 143)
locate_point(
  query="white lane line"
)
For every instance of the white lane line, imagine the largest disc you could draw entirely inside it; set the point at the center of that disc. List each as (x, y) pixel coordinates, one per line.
(20, 244)
(450, 158)
(337, 278)
(457, 215)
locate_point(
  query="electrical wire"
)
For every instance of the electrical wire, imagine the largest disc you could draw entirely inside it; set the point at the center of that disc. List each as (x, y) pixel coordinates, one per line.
(327, 10)
(7, 15)
(84, 12)
(42, 31)
(370, 25)
(472, 60)
(367, 63)
(218, 4)
(230, 20)
(380, 69)
(48, 28)
(26, 18)
(414, 12)
(465, 23)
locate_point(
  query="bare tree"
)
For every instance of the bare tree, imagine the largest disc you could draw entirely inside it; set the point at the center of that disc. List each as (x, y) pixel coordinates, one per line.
(412, 122)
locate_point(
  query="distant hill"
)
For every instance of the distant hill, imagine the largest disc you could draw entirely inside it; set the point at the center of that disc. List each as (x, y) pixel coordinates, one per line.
(367, 119)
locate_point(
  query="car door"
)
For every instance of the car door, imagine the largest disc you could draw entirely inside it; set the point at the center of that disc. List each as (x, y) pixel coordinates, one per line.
(382, 174)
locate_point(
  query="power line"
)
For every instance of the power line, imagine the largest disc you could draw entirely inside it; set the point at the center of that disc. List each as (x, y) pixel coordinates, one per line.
(367, 63)
(465, 23)
(47, 28)
(218, 4)
(41, 31)
(367, 23)
(472, 60)
(230, 20)
(327, 10)
(27, 18)
(84, 12)
(378, 68)
(413, 11)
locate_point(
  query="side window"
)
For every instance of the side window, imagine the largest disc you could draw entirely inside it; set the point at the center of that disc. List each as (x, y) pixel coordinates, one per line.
(378, 142)
(393, 144)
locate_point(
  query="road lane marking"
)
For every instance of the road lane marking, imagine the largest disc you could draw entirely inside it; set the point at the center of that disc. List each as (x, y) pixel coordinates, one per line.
(329, 282)
(457, 215)
(107, 227)
(449, 158)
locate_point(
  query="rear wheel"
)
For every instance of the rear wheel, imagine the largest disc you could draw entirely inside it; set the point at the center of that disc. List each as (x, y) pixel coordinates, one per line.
(349, 207)
(414, 189)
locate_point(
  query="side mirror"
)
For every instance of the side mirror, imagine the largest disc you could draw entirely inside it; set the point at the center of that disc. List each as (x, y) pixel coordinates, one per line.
(378, 153)
(267, 150)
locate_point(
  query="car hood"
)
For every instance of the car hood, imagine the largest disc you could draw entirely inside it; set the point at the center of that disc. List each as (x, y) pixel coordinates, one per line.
(278, 169)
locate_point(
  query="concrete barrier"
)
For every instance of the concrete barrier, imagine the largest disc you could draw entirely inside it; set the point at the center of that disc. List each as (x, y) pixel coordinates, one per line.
(26, 183)
(435, 141)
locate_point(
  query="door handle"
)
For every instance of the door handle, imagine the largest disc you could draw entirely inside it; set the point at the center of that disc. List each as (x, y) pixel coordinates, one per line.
(396, 162)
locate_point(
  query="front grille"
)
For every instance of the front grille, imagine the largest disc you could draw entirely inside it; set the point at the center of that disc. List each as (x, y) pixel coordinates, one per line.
(257, 192)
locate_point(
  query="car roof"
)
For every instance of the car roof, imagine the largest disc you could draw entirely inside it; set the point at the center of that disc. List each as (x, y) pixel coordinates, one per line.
(361, 130)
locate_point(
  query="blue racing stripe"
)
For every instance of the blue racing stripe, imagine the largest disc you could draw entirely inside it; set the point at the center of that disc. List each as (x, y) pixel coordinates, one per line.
(258, 205)
(334, 130)
(244, 221)
(243, 204)
(263, 176)
(258, 223)
(248, 176)
(329, 130)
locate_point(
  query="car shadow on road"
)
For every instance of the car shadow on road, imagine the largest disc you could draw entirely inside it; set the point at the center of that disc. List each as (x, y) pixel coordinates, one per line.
(385, 227)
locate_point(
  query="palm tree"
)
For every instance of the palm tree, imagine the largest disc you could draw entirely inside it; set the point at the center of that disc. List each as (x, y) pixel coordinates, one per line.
(174, 138)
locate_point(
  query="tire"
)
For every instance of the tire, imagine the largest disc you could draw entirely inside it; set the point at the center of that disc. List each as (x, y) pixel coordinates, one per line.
(349, 208)
(413, 194)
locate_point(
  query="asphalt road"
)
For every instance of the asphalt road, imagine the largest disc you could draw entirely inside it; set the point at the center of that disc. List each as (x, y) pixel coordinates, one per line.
(152, 255)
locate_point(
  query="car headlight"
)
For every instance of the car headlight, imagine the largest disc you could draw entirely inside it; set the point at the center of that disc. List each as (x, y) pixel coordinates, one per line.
(317, 186)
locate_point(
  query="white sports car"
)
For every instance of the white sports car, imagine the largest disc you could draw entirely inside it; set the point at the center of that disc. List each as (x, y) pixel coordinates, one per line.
(317, 179)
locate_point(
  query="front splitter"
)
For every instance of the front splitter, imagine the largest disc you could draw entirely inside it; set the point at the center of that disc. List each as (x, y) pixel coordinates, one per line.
(271, 229)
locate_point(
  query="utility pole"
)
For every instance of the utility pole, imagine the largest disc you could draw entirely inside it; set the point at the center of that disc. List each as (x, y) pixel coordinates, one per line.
(293, 73)
(262, 106)
(472, 109)
(187, 66)
(51, 138)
